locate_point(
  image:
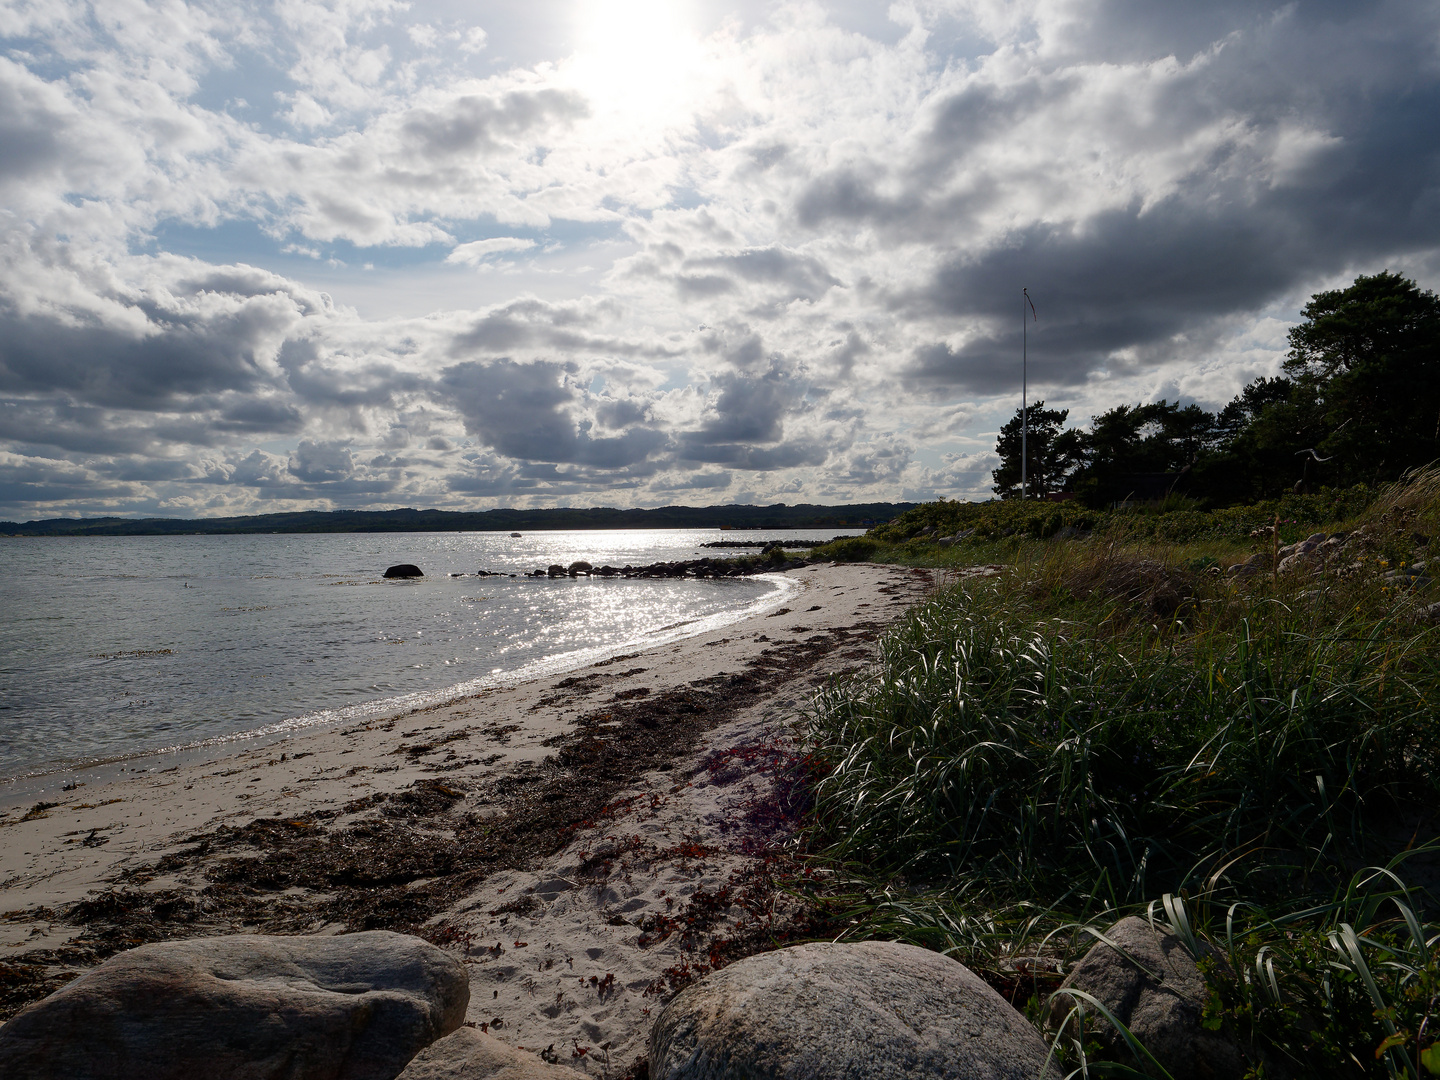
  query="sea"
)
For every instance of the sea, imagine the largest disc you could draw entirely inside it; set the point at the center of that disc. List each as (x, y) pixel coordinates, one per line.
(112, 647)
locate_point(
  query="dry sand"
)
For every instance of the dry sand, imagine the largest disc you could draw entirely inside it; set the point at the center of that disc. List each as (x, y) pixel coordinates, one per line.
(588, 841)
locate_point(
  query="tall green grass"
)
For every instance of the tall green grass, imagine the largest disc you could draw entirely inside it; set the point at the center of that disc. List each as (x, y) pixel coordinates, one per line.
(1115, 721)
(1018, 758)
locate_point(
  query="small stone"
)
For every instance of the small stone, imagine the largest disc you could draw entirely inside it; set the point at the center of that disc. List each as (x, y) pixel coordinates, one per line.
(470, 1054)
(1164, 1012)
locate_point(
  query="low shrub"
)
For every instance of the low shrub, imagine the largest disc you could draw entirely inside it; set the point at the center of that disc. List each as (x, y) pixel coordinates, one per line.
(1174, 519)
(849, 549)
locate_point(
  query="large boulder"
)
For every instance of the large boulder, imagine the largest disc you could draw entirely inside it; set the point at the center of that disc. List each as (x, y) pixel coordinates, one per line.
(469, 1054)
(874, 1010)
(1157, 991)
(403, 570)
(354, 1007)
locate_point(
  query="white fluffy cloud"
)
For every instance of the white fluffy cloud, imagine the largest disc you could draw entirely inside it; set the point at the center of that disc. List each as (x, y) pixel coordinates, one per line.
(477, 251)
(774, 258)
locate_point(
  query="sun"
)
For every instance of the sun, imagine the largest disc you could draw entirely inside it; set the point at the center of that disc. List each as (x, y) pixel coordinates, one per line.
(635, 57)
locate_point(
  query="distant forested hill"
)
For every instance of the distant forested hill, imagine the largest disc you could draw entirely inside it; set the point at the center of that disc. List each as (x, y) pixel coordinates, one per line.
(779, 516)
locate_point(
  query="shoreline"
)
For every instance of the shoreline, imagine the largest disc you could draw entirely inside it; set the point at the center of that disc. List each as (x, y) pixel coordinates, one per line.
(44, 782)
(416, 822)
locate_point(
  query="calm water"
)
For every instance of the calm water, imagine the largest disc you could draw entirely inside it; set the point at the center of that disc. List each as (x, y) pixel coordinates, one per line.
(116, 645)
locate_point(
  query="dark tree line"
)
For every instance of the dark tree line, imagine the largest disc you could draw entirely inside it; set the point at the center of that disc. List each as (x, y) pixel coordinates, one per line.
(1358, 402)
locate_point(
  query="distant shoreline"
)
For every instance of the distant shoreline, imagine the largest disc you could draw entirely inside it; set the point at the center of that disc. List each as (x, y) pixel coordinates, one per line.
(778, 516)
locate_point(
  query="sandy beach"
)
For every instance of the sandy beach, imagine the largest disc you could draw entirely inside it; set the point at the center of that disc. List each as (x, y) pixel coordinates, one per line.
(589, 841)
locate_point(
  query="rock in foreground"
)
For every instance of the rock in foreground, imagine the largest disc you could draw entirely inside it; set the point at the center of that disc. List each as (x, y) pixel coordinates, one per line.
(356, 1007)
(403, 570)
(1163, 1013)
(473, 1055)
(873, 1010)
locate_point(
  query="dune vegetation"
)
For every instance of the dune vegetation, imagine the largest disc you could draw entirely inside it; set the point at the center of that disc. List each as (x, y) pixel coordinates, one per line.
(1117, 723)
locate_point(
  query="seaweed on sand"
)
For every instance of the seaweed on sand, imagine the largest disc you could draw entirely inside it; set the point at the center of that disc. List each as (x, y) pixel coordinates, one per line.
(412, 853)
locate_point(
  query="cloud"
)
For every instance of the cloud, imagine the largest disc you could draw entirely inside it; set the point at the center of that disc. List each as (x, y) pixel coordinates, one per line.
(477, 251)
(797, 271)
(321, 462)
(480, 124)
(799, 277)
(531, 412)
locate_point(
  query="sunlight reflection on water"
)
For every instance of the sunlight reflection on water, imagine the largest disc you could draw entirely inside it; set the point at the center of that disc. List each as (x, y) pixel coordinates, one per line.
(113, 645)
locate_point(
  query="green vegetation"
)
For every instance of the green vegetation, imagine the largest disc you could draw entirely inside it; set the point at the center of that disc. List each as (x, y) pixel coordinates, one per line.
(1003, 527)
(1360, 388)
(1112, 721)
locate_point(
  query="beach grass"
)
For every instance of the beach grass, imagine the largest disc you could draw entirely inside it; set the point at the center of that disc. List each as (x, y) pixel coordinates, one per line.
(1115, 725)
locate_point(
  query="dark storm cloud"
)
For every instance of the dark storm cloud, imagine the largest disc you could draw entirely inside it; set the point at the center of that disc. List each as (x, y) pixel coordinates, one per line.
(249, 282)
(1225, 242)
(321, 462)
(107, 366)
(1319, 123)
(800, 276)
(320, 378)
(845, 353)
(145, 470)
(616, 413)
(528, 412)
(261, 415)
(789, 455)
(477, 124)
(746, 427)
(847, 195)
(30, 425)
(749, 409)
(1128, 279)
(1138, 277)
(353, 492)
(536, 323)
(41, 480)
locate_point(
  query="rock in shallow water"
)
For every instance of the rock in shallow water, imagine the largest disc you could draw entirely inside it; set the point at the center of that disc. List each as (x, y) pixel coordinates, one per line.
(404, 569)
(355, 1007)
(874, 1010)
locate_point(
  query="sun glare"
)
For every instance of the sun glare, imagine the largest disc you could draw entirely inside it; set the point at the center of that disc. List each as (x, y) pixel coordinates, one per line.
(634, 56)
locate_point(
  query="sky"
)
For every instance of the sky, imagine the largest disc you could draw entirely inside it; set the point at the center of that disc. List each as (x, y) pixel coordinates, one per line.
(326, 254)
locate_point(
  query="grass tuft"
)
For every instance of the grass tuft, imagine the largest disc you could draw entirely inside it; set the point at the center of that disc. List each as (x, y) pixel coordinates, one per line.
(1115, 719)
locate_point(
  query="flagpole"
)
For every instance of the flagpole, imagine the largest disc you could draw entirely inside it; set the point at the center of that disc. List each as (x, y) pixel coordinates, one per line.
(1024, 390)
